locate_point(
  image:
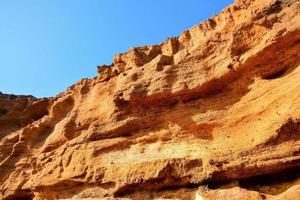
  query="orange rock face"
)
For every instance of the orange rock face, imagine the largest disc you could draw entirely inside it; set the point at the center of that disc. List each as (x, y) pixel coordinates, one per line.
(217, 108)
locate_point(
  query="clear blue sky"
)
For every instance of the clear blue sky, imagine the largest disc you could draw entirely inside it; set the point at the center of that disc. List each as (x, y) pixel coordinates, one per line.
(47, 45)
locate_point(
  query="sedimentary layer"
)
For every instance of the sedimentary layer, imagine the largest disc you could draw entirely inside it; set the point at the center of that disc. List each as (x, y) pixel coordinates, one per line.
(210, 109)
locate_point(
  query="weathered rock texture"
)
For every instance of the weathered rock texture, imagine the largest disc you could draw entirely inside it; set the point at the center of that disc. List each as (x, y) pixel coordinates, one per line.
(219, 103)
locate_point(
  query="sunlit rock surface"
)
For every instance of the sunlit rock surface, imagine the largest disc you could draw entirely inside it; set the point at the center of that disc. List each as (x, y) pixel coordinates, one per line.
(200, 116)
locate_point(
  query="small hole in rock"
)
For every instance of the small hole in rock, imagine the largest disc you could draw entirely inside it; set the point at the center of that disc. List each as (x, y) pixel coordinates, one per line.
(134, 77)
(2, 112)
(230, 66)
(159, 68)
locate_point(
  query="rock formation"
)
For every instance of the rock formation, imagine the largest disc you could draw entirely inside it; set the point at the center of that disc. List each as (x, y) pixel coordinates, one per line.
(211, 114)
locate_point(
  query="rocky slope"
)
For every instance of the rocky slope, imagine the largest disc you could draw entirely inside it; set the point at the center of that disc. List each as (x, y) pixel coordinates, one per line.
(211, 114)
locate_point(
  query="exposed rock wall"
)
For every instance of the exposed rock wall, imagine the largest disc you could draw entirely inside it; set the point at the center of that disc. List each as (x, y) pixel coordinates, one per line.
(221, 102)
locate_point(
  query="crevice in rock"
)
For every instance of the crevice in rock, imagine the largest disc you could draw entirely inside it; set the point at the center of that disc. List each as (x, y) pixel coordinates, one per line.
(275, 75)
(274, 183)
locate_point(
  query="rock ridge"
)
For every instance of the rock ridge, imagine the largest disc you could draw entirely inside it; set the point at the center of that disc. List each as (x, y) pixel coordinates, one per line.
(199, 116)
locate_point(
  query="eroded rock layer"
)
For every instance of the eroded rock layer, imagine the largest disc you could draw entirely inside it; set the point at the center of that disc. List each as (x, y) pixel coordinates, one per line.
(209, 109)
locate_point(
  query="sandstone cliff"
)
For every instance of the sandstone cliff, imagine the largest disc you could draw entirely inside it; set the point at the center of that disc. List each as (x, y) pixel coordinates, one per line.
(211, 114)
